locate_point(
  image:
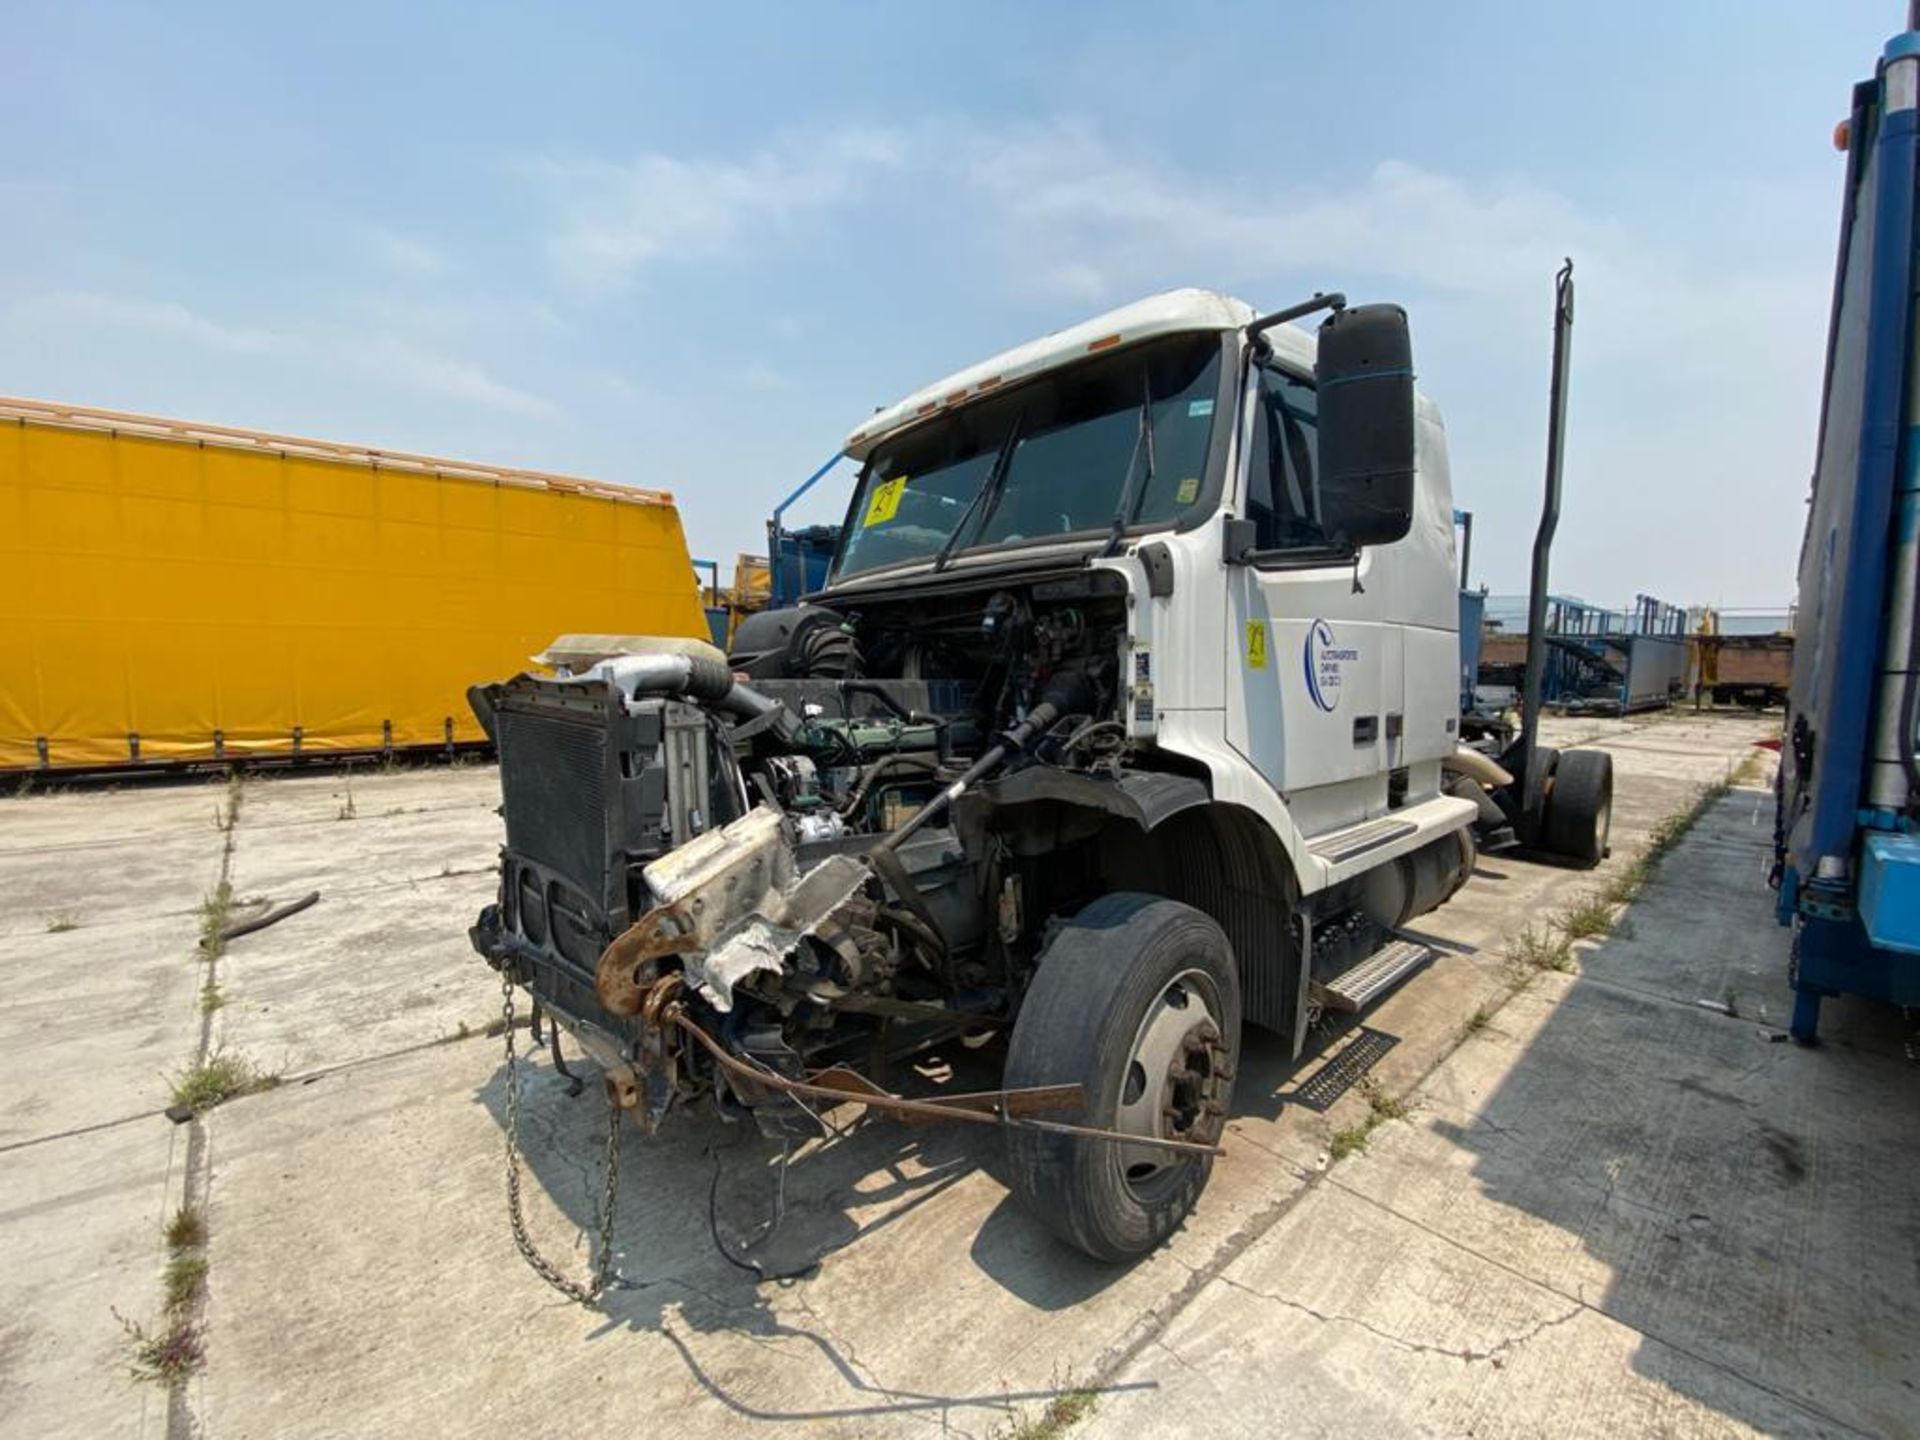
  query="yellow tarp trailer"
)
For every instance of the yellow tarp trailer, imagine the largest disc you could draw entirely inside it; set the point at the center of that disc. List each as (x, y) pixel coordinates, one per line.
(173, 592)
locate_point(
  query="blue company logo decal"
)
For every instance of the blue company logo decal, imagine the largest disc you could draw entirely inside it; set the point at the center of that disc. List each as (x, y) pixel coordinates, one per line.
(1324, 662)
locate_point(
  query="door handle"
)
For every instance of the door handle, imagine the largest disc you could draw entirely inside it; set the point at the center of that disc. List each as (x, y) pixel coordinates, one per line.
(1366, 729)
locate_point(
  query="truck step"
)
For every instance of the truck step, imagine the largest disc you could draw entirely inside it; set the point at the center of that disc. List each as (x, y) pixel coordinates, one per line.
(1344, 844)
(1366, 982)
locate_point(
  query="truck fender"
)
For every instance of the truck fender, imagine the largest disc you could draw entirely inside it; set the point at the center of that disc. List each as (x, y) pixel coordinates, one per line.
(1147, 798)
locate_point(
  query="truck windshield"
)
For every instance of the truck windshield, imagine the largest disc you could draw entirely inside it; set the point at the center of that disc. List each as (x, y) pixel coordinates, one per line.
(1078, 443)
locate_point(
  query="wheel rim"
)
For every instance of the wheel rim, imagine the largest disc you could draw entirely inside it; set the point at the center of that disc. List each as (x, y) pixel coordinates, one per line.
(1603, 824)
(1175, 1080)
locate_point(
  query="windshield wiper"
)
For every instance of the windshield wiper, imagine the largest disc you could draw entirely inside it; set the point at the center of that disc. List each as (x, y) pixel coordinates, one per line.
(1129, 498)
(988, 494)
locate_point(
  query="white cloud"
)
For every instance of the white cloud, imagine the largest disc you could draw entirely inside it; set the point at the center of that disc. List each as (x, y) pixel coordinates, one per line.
(378, 357)
(388, 357)
(616, 218)
(159, 317)
(1074, 216)
(403, 253)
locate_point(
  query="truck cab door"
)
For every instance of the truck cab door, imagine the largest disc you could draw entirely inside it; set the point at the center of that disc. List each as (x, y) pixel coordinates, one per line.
(1315, 676)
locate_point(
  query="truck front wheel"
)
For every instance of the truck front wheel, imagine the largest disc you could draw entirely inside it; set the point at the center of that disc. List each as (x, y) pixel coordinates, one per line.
(1137, 1001)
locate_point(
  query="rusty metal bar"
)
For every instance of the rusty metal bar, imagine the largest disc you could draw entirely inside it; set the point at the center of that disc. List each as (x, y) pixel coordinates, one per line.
(1031, 1100)
(900, 1106)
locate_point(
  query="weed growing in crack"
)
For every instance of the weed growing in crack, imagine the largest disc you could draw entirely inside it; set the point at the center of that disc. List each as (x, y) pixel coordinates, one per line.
(1629, 881)
(180, 1283)
(216, 913)
(1540, 949)
(1350, 1141)
(220, 1077)
(1381, 1107)
(1072, 1404)
(1062, 1413)
(228, 815)
(187, 1230)
(1587, 919)
(62, 921)
(164, 1356)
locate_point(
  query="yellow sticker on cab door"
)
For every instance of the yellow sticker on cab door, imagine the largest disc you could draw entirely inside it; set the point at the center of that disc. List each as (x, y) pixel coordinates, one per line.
(1256, 644)
(885, 503)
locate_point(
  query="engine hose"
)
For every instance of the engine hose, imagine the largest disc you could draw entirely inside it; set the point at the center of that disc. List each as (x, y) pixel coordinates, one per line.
(1087, 731)
(879, 767)
(693, 677)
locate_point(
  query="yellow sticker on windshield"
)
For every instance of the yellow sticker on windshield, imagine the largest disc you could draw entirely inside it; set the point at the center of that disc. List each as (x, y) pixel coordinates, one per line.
(885, 503)
(1256, 644)
(1189, 490)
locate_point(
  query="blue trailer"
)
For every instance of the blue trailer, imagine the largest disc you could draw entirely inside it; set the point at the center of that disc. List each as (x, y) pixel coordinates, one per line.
(1847, 832)
(800, 558)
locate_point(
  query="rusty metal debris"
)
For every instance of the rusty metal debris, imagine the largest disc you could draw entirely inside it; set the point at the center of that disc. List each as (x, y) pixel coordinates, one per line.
(999, 1108)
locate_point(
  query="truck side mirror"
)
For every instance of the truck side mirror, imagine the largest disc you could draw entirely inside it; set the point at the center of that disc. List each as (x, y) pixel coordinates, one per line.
(1364, 376)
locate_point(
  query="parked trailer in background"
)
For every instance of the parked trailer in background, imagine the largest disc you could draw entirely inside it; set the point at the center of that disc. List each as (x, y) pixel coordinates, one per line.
(183, 593)
(1751, 670)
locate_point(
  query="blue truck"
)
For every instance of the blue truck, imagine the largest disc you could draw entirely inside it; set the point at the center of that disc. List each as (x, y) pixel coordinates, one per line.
(1847, 831)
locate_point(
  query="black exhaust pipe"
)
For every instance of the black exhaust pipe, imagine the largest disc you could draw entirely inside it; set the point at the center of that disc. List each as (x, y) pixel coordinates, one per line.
(1524, 766)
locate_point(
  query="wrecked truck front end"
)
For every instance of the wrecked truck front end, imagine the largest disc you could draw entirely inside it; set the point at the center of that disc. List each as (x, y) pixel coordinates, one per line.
(672, 919)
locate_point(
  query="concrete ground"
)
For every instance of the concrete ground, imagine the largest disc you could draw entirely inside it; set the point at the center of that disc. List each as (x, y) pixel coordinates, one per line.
(1607, 1208)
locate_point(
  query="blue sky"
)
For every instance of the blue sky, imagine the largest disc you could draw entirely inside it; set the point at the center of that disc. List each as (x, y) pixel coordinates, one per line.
(691, 247)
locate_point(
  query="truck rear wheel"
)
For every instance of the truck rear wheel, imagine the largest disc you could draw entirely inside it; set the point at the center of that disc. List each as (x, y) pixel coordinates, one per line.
(1137, 1001)
(1579, 818)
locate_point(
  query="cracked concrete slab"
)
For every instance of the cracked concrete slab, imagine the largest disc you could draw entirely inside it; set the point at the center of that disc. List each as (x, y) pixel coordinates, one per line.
(382, 962)
(80, 1225)
(1694, 1194)
(70, 860)
(96, 1019)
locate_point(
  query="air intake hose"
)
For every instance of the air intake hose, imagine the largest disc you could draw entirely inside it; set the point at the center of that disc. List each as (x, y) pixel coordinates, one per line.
(691, 677)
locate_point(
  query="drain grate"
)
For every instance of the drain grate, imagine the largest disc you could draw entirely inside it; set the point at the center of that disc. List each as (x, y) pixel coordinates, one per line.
(1345, 1070)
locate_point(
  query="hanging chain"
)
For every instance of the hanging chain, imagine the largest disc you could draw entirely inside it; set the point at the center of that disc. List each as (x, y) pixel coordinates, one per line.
(603, 1264)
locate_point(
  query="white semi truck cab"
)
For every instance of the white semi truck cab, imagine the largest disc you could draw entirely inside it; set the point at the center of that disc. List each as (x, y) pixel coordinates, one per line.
(1128, 716)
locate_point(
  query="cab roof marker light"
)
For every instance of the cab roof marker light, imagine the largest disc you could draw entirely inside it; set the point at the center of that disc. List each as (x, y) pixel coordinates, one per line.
(1105, 342)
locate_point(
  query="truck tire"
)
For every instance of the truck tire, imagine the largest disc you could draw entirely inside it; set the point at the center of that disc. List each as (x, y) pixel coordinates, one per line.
(1579, 818)
(1137, 1001)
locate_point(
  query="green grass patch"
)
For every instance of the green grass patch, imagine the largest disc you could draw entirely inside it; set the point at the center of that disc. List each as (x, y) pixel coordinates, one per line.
(211, 997)
(221, 1077)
